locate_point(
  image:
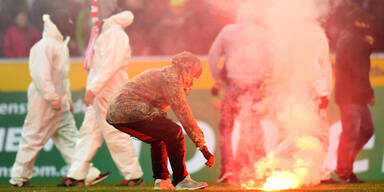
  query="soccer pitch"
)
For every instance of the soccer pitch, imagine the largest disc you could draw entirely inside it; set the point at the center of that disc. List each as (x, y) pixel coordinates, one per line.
(148, 186)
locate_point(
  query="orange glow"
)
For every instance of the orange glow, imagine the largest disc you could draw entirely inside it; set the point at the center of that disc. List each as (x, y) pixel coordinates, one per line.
(250, 184)
(281, 180)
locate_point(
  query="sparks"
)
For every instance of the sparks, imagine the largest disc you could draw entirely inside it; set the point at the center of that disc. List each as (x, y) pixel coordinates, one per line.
(281, 180)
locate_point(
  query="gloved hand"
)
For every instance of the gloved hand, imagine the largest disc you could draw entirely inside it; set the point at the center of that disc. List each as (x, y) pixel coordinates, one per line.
(89, 97)
(214, 91)
(208, 156)
(216, 88)
(323, 102)
(56, 104)
(71, 108)
(372, 101)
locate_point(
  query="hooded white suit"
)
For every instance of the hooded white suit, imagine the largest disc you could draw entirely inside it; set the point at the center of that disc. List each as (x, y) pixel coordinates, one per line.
(107, 74)
(48, 66)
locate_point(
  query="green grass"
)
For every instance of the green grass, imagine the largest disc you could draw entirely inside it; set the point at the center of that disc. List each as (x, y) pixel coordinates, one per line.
(148, 186)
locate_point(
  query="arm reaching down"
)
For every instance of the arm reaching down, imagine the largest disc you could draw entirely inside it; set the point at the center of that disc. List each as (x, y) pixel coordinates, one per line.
(208, 156)
(177, 99)
(182, 111)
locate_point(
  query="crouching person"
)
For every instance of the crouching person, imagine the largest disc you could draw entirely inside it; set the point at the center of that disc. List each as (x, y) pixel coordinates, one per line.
(139, 109)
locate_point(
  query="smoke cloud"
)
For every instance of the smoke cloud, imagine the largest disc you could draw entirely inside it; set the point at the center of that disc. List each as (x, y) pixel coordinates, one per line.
(295, 129)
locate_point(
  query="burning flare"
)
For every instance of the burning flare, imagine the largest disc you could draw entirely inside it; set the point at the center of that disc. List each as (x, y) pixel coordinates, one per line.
(281, 180)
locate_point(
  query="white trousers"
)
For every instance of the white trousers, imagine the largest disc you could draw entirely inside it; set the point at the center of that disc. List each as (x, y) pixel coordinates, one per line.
(41, 124)
(92, 132)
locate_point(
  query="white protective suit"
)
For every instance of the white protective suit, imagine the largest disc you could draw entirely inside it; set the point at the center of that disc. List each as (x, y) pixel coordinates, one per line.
(48, 66)
(106, 75)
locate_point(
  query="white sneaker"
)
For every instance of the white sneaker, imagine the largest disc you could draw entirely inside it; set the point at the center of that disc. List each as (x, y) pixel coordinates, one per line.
(189, 184)
(224, 178)
(163, 184)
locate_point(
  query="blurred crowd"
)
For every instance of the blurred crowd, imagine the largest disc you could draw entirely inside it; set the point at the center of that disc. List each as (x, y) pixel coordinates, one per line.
(161, 27)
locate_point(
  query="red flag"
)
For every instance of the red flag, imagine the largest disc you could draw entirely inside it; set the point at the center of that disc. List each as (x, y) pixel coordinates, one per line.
(94, 33)
(95, 13)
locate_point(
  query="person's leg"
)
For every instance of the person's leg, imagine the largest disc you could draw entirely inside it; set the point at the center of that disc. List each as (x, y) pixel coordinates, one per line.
(228, 113)
(324, 139)
(119, 144)
(175, 146)
(65, 140)
(250, 134)
(66, 137)
(159, 155)
(89, 141)
(366, 130)
(350, 120)
(251, 139)
(164, 129)
(40, 124)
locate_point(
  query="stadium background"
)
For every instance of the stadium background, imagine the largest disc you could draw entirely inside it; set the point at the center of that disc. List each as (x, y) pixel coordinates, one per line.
(14, 81)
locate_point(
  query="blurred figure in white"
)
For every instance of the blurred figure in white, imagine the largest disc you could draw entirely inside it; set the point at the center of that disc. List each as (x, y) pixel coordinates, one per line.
(107, 74)
(245, 47)
(49, 106)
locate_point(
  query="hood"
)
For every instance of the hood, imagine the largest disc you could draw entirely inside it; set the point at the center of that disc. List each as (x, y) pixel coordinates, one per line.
(189, 67)
(122, 19)
(50, 29)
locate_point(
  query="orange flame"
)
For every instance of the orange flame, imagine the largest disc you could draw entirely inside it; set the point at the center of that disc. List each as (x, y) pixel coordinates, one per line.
(250, 184)
(281, 180)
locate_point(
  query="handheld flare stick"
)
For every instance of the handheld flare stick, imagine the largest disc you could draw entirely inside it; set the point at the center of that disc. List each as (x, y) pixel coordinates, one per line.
(208, 156)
